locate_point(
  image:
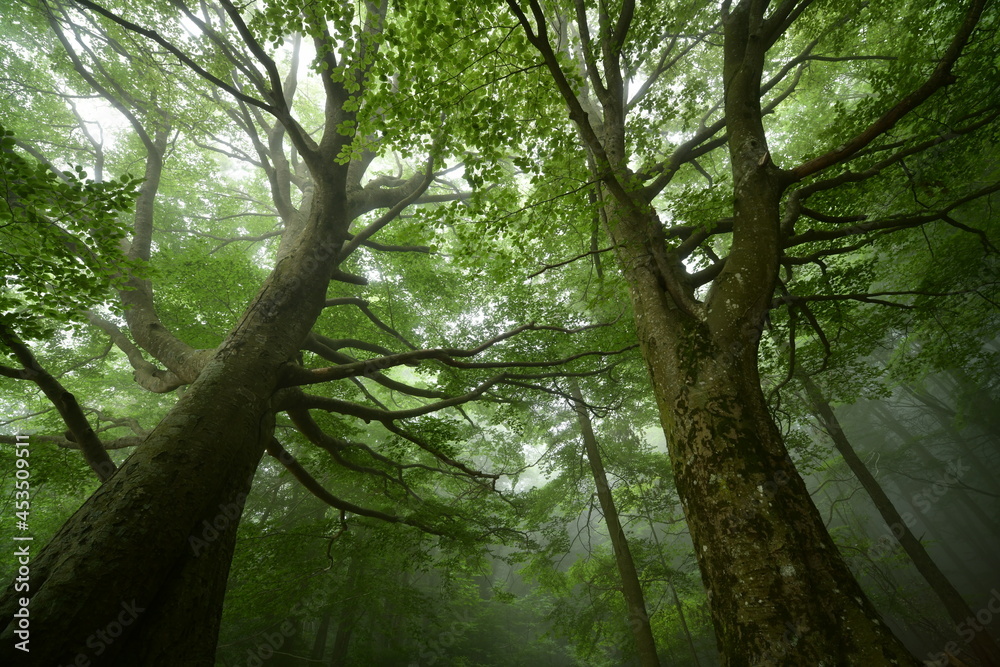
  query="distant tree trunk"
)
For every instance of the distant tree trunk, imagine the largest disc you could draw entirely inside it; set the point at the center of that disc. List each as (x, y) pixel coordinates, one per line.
(684, 625)
(138, 574)
(673, 589)
(979, 406)
(319, 644)
(631, 588)
(349, 615)
(342, 642)
(982, 643)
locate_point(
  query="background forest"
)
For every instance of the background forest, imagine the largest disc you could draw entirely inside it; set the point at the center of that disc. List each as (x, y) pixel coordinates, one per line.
(527, 333)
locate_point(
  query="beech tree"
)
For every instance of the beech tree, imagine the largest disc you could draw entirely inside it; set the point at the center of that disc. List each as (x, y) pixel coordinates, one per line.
(223, 78)
(348, 250)
(798, 196)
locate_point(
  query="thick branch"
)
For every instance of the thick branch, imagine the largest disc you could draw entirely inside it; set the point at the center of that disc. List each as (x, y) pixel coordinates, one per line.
(65, 403)
(146, 375)
(390, 215)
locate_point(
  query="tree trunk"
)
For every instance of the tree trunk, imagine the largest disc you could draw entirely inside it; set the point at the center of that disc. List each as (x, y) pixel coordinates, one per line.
(673, 589)
(631, 588)
(780, 592)
(350, 613)
(687, 633)
(342, 642)
(137, 575)
(319, 642)
(958, 609)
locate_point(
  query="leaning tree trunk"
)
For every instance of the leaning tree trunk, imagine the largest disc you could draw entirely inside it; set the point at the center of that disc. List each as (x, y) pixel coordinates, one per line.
(638, 618)
(684, 626)
(137, 575)
(958, 609)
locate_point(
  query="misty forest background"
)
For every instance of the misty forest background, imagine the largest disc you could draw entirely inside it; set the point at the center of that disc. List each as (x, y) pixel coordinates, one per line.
(464, 447)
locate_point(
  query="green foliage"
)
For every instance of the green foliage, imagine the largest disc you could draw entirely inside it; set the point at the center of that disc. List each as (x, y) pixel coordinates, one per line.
(61, 235)
(460, 86)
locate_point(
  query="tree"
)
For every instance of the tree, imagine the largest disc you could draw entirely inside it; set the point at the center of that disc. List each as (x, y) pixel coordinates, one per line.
(698, 150)
(631, 586)
(184, 78)
(702, 288)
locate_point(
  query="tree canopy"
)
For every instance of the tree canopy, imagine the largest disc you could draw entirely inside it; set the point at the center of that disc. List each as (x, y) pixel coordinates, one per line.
(471, 277)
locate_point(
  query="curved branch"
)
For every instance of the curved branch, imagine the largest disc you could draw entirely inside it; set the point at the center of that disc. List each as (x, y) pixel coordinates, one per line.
(308, 427)
(895, 223)
(870, 297)
(363, 306)
(570, 260)
(941, 76)
(294, 375)
(309, 482)
(385, 417)
(390, 215)
(990, 114)
(65, 403)
(327, 348)
(146, 375)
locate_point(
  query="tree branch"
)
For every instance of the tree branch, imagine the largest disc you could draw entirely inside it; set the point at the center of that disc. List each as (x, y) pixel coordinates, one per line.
(180, 55)
(65, 403)
(309, 482)
(905, 221)
(389, 215)
(363, 306)
(939, 78)
(294, 375)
